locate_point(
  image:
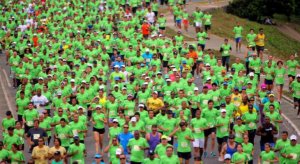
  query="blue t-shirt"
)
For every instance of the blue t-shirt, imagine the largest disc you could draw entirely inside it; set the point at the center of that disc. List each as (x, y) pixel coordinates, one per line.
(124, 139)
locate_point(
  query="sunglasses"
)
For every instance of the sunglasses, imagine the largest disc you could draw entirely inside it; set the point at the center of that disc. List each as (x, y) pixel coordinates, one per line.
(126, 127)
(122, 158)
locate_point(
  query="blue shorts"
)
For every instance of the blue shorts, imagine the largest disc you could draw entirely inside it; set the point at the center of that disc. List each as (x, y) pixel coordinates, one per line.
(239, 39)
(178, 21)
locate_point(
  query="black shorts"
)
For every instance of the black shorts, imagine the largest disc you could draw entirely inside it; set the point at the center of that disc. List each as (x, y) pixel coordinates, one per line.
(291, 76)
(185, 155)
(162, 28)
(207, 132)
(260, 48)
(296, 100)
(20, 118)
(207, 27)
(100, 131)
(222, 140)
(165, 63)
(268, 82)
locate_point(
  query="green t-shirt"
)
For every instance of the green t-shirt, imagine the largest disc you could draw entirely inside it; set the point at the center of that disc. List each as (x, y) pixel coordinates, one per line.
(251, 39)
(160, 149)
(292, 67)
(78, 126)
(22, 105)
(279, 75)
(226, 49)
(184, 145)
(250, 120)
(248, 148)
(197, 125)
(239, 157)
(99, 124)
(64, 134)
(154, 161)
(295, 85)
(239, 131)
(79, 156)
(267, 156)
(280, 146)
(30, 115)
(15, 157)
(4, 154)
(137, 154)
(238, 31)
(210, 115)
(167, 160)
(294, 151)
(223, 131)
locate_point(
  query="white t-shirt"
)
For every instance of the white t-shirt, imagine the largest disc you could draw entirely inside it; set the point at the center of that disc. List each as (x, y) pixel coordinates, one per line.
(150, 17)
(38, 100)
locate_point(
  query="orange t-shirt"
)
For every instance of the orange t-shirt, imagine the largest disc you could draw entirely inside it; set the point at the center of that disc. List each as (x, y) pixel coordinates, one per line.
(193, 55)
(146, 29)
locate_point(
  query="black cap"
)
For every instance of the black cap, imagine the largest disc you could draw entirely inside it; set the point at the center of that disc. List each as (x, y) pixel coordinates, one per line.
(169, 112)
(151, 152)
(231, 136)
(223, 105)
(57, 153)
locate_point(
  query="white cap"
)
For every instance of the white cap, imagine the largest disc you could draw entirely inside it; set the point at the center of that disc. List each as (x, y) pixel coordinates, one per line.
(168, 80)
(124, 88)
(147, 50)
(40, 78)
(207, 64)
(147, 77)
(298, 75)
(196, 89)
(293, 137)
(118, 151)
(115, 120)
(72, 80)
(80, 107)
(83, 81)
(133, 119)
(155, 92)
(141, 105)
(208, 78)
(223, 110)
(174, 69)
(116, 66)
(59, 93)
(145, 83)
(227, 156)
(251, 74)
(116, 85)
(172, 66)
(98, 106)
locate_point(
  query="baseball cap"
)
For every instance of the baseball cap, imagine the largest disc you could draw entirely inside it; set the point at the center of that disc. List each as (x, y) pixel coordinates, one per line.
(293, 137)
(115, 120)
(58, 93)
(168, 80)
(207, 65)
(72, 80)
(184, 62)
(298, 75)
(141, 105)
(271, 95)
(196, 89)
(225, 83)
(40, 78)
(97, 156)
(118, 151)
(174, 69)
(223, 110)
(76, 137)
(227, 156)
(151, 152)
(251, 74)
(133, 119)
(165, 137)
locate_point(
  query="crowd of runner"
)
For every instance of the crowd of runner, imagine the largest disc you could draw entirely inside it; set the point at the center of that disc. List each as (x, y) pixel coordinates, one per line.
(109, 66)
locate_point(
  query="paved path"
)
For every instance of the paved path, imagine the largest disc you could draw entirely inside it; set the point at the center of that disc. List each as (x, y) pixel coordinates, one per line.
(287, 30)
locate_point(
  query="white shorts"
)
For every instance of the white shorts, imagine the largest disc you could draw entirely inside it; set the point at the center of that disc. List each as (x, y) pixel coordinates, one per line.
(198, 143)
(198, 24)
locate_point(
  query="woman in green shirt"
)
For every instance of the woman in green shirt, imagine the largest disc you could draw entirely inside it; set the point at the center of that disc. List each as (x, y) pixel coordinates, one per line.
(248, 148)
(99, 121)
(279, 78)
(268, 156)
(239, 156)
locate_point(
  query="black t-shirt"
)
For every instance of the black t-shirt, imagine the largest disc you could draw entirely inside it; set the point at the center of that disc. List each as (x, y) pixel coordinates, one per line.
(268, 129)
(35, 134)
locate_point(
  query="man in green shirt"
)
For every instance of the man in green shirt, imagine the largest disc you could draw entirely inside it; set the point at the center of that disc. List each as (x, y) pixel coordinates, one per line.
(281, 144)
(136, 147)
(291, 153)
(170, 157)
(225, 50)
(238, 29)
(184, 137)
(77, 151)
(223, 128)
(295, 89)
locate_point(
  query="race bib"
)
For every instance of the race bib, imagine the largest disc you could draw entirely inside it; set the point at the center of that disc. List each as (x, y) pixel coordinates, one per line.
(168, 93)
(130, 113)
(75, 132)
(197, 130)
(297, 92)
(190, 93)
(184, 144)
(36, 136)
(29, 123)
(148, 60)
(226, 52)
(136, 148)
(251, 124)
(158, 87)
(148, 127)
(292, 69)
(238, 135)
(294, 156)
(215, 98)
(224, 129)
(280, 75)
(142, 101)
(201, 38)
(265, 162)
(62, 136)
(112, 113)
(205, 102)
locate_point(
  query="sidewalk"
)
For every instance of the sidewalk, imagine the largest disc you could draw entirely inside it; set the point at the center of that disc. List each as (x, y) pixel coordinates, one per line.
(289, 113)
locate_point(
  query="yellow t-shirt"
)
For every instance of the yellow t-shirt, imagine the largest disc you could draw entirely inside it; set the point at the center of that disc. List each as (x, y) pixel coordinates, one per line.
(42, 153)
(61, 149)
(236, 99)
(243, 109)
(260, 40)
(155, 104)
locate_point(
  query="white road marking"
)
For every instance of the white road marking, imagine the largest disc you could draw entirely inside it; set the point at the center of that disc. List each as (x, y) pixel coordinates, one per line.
(6, 77)
(7, 99)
